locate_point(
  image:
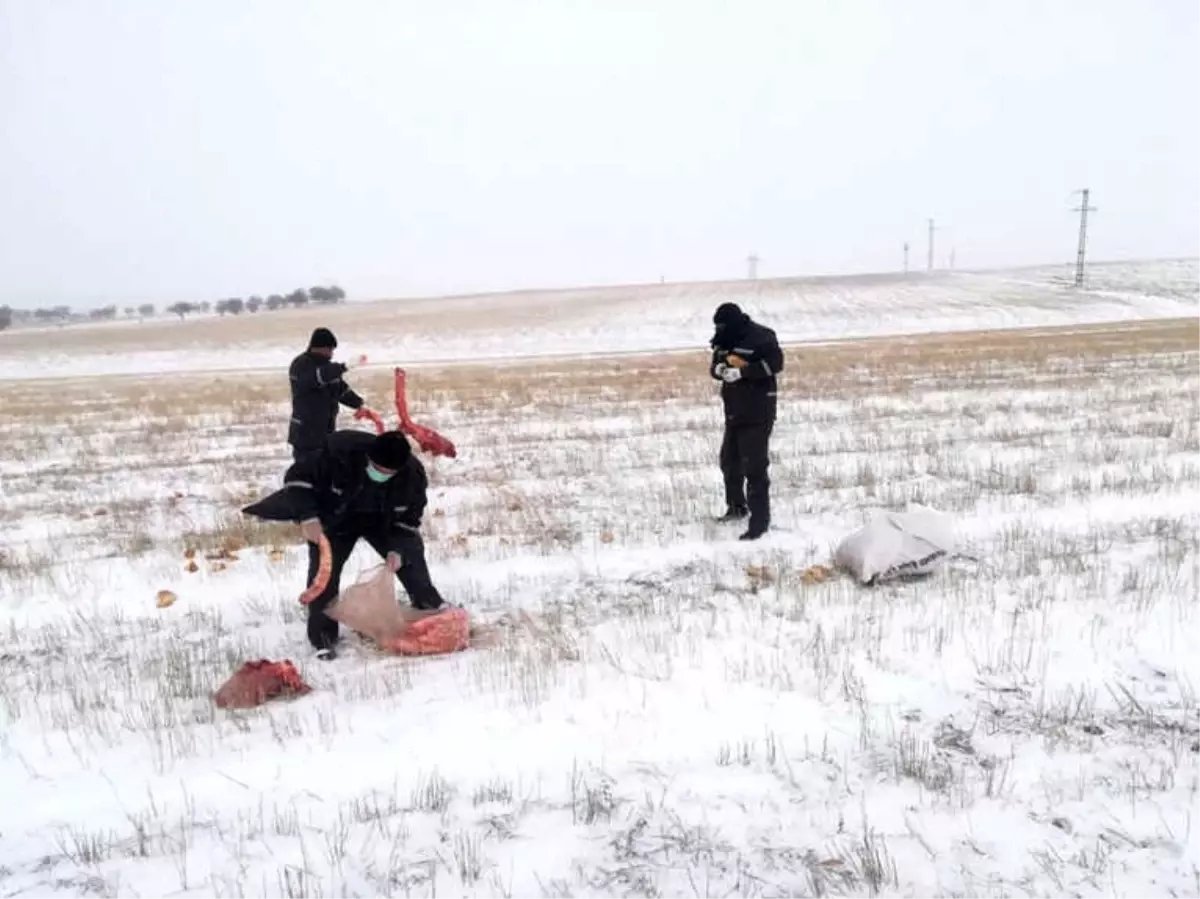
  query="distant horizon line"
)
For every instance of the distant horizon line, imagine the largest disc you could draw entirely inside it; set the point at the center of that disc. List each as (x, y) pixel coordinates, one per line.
(1068, 265)
(828, 276)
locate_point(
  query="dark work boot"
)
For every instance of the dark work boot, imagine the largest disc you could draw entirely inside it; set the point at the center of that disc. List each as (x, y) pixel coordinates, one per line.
(755, 530)
(733, 513)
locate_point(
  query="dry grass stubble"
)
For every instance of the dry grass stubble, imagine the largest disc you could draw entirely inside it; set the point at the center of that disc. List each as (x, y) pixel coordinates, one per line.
(563, 460)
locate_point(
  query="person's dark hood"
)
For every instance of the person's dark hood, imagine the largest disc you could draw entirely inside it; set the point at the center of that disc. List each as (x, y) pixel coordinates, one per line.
(730, 324)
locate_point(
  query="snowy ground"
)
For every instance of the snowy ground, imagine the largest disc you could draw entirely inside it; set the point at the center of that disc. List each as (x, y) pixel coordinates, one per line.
(614, 319)
(690, 717)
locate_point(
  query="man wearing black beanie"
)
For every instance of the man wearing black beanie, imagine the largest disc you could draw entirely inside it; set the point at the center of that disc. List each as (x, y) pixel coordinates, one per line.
(357, 486)
(318, 388)
(746, 358)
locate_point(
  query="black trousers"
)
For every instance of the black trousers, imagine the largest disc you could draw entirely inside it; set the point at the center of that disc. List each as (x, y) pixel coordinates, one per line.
(744, 464)
(413, 576)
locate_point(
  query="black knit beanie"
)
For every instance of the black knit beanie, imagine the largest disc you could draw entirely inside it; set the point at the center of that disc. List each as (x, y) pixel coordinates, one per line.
(322, 339)
(390, 450)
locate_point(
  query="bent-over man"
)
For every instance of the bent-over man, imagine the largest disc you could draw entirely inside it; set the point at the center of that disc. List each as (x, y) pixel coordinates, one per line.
(357, 486)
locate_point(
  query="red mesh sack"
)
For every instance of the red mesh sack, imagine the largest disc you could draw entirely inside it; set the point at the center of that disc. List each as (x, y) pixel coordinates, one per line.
(365, 414)
(256, 682)
(428, 439)
(441, 632)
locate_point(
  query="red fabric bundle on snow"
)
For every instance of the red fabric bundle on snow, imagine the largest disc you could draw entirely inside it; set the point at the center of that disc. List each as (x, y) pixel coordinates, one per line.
(256, 682)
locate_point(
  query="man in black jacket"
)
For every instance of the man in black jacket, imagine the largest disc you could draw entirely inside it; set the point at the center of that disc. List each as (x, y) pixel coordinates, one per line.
(746, 358)
(358, 485)
(318, 387)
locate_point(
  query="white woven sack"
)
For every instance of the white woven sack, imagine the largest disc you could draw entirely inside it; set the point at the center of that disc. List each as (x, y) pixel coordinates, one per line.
(898, 544)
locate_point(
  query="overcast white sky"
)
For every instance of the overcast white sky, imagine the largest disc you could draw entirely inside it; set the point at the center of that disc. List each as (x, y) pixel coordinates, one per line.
(197, 149)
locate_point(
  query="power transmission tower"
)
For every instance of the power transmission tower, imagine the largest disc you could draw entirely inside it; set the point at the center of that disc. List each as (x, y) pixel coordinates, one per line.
(1083, 209)
(906, 257)
(752, 267)
(929, 263)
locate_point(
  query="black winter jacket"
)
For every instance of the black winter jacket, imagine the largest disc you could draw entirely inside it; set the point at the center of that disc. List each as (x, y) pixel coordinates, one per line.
(751, 400)
(317, 390)
(332, 486)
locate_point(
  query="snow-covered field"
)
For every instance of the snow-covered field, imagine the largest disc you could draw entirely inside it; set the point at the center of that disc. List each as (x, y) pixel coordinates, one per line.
(614, 319)
(687, 716)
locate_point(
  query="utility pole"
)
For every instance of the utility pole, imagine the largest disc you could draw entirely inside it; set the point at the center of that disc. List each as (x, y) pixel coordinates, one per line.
(752, 267)
(1083, 209)
(952, 254)
(906, 257)
(929, 263)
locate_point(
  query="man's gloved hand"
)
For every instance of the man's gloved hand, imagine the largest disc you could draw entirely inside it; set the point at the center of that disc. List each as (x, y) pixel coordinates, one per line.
(719, 369)
(394, 561)
(311, 530)
(729, 375)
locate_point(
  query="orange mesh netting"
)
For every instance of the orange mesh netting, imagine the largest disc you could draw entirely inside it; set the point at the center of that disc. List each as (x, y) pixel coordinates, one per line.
(446, 631)
(256, 682)
(324, 572)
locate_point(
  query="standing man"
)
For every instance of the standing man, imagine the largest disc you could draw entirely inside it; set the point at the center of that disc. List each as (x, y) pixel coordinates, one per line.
(357, 486)
(317, 390)
(746, 358)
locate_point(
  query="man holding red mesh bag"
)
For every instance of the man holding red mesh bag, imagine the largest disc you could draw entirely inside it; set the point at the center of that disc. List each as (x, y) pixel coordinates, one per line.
(359, 486)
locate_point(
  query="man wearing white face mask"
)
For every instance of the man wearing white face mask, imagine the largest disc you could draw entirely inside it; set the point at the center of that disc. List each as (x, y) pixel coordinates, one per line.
(360, 486)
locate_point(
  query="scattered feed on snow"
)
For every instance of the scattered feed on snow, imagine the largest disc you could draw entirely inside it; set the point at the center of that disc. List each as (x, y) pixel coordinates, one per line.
(661, 710)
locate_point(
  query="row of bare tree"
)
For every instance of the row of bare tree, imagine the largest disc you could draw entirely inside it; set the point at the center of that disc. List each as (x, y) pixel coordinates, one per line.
(296, 299)
(233, 306)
